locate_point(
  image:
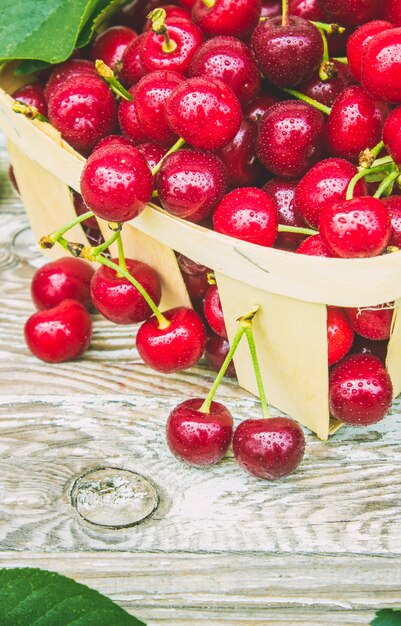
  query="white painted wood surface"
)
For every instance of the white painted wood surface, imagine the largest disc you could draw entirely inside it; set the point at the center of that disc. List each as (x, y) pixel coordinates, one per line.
(321, 547)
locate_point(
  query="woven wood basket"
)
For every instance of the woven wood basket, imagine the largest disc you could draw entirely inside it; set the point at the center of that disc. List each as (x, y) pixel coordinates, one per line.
(292, 290)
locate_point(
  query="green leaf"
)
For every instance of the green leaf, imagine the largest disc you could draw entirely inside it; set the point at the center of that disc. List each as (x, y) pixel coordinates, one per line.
(387, 617)
(30, 66)
(36, 597)
(42, 29)
(104, 9)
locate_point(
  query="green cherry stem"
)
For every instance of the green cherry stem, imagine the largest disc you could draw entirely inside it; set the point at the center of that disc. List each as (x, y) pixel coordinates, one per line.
(285, 13)
(367, 157)
(108, 76)
(283, 228)
(311, 101)
(178, 144)
(362, 174)
(258, 375)
(48, 241)
(121, 256)
(330, 29)
(157, 17)
(341, 60)
(31, 113)
(386, 183)
(103, 246)
(327, 69)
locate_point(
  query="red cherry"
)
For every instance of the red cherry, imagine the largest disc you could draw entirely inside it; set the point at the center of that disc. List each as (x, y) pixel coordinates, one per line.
(111, 45)
(227, 17)
(381, 66)
(360, 390)
(83, 109)
(117, 299)
(271, 8)
(393, 205)
(114, 140)
(290, 138)
(214, 312)
(239, 156)
(326, 91)
(255, 109)
(128, 119)
(392, 12)
(325, 183)
(205, 113)
(195, 277)
(81, 208)
(152, 152)
(172, 11)
(186, 37)
(308, 9)
(282, 191)
(392, 135)
(151, 96)
(365, 346)
(176, 347)
(33, 96)
(314, 246)
(230, 60)
(287, 55)
(12, 179)
(350, 12)
(356, 228)
(269, 448)
(200, 439)
(216, 351)
(247, 213)
(357, 43)
(116, 183)
(188, 266)
(355, 123)
(191, 183)
(59, 334)
(340, 335)
(132, 69)
(69, 69)
(371, 323)
(64, 279)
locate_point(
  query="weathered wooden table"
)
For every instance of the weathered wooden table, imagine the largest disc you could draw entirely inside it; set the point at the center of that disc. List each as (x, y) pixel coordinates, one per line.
(216, 546)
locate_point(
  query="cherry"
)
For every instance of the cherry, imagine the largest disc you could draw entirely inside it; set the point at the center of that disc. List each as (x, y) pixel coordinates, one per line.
(355, 123)
(365, 346)
(150, 100)
(381, 66)
(371, 323)
(95, 238)
(204, 112)
(325, 183)
(113, 140)
(269, 448)
(287, 54)
(117, 299)
(227, 17)
(187, 4)
(392, 12)
(314, 246)
(13, 180)
(83, 109)
(358, 41)
(350, 12)
(116, 183)
(128, 119)
(255, 109)
(326, 91)
(247, 213)
(290, 138)
(356, 228)
(64, 279)
(172, 11)
(185, 38)
(66, 70)
(111, 45)
(282, 193)
(360, 390)
(59, 334)
(195, 278)
(81, 208)
(33, 96)
(214, 312)
(215, 353)
(152, 152)
(191, 183)
(230, 60)
(196, 437)
(308, 9)
(392, 135)
(132, 69)
(175, 347)
(393, 205)
(340, 335)
(239, 156)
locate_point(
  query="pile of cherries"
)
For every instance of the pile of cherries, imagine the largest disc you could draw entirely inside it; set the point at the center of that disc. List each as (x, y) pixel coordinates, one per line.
(273, 122)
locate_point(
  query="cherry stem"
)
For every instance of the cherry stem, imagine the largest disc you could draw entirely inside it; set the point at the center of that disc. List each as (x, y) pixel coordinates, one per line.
(103, 246)
(285, 12)
(386, 183)
(178, 144)
(258, 375)
(330, 29)
(108, 76)
(157, 17)
(325, 57)
(362, 173)
(341, 60)
(31, 113)
(121, 256)
(283, 228)
(48, 241)
(205, 407)
(367, 157)
(209, 3)
(314, 103)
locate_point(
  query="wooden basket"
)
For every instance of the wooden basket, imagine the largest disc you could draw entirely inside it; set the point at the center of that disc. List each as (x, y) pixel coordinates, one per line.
(292, 290)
